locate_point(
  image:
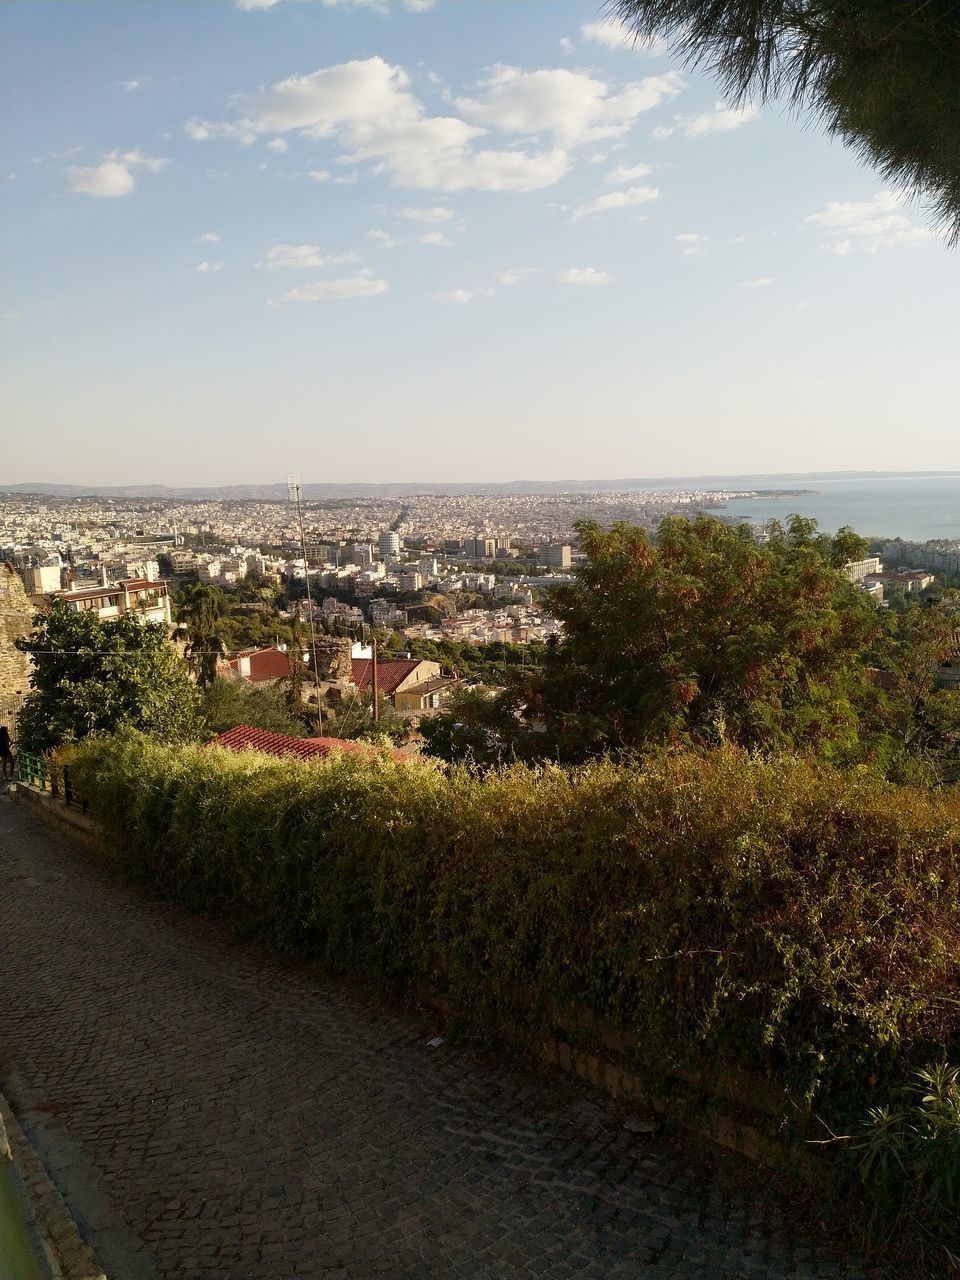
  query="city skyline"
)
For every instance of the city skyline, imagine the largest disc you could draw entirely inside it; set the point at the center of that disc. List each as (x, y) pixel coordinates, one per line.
(347, 238)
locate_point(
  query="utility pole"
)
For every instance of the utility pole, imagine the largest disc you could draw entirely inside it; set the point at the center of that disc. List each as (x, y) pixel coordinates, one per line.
(373, 675)
(293, 495)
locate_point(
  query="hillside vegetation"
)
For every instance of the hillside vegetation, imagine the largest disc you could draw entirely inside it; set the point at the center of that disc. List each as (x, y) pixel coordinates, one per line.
(714, 908)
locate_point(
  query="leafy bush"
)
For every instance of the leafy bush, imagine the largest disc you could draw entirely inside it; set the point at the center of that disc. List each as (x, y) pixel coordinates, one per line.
(910, 1158)
(714, 909)
(227, 703)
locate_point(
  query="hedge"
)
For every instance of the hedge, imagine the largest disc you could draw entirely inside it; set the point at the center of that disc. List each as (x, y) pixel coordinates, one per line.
(776, 916)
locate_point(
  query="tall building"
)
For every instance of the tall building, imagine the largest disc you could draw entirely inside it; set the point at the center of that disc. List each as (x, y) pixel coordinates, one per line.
(42, 578)
(388, 544)
(361, 553)
(556, 555)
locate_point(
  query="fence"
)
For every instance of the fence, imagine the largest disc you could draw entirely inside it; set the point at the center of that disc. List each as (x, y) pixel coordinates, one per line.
(47, 775)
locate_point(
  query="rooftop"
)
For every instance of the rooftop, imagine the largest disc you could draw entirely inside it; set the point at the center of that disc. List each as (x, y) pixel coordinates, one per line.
(244, 737)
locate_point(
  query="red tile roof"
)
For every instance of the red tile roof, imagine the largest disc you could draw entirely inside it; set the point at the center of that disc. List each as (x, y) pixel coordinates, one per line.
(245, 738)
(389, 674)
(265, 664)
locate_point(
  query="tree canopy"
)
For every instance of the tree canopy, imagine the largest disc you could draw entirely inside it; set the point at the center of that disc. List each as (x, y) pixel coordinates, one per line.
(200, 610)
(704, 635)
(884, 76)
(93, 676)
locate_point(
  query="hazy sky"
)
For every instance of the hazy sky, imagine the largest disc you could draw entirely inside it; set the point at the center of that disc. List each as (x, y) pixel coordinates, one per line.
(449, 240)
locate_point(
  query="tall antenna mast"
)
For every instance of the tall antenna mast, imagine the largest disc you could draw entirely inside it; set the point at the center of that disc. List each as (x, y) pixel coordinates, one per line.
(293, 495)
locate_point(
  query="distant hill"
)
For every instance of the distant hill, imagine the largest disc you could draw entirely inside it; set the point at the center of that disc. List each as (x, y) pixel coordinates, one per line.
(413, 488)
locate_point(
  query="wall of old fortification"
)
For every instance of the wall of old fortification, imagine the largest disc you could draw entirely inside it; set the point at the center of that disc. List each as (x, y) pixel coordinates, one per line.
(16, 619)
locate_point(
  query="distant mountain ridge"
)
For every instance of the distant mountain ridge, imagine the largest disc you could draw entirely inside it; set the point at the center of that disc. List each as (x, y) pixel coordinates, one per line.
(414, 488)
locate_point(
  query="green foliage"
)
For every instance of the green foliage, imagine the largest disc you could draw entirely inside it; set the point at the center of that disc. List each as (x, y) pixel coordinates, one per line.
(353, 719)
(777, 913)
(91, 676)
(199, 609)
(884, 76)
(493, 662)
(227, 703)
(910, 1160)
(480, 727)
(705, 636)
(913, 727)
(715, 909)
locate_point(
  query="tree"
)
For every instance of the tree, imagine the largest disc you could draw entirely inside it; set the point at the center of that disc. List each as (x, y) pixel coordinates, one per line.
(200, 610)
(915, 725)
(93, 676)
(481, 726)
(227, 703)
(298, 671)
(884, 76)
(703, 636)
(354, 719)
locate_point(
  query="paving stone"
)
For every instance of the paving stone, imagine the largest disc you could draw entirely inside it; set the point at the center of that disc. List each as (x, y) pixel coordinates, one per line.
(242, 1120)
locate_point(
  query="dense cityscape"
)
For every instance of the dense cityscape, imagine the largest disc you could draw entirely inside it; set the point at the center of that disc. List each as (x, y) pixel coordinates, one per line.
(524, 845)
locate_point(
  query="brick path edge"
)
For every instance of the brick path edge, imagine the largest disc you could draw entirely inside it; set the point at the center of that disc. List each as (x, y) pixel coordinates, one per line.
(67, 1255)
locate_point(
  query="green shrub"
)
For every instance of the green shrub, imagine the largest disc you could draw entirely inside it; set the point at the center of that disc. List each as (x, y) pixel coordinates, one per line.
(910, 1160)
(713, 909)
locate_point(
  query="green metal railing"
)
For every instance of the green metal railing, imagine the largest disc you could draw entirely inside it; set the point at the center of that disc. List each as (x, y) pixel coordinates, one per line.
(49, 775)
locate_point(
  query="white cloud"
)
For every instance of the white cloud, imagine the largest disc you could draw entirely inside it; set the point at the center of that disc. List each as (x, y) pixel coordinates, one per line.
(204, 267)
(458, 296)
(692, 244)
(615, 36)
(868, 226)
(108, 180)
(628, 173)
(209, 237)
(761, 282)
(571, 105)
(204, 130)
(318, 175)
(383, 238)
(437, 238)
(367, 107)
(615, 200)
(584, 275)
(381, 6)
(129, 86)
(435, 215)
(137, 159)
(515, 275)
(112, 177)
(720, 120)
(566, 44)
(299, 257)
(361, 285)
(277, 144)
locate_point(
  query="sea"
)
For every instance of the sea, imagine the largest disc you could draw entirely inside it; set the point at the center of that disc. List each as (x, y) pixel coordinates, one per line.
(913, 507)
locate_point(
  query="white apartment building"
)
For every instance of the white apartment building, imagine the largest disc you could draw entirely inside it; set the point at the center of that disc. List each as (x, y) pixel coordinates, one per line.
(42, 579)
(148, 601)
(388, 544)
(857, 570)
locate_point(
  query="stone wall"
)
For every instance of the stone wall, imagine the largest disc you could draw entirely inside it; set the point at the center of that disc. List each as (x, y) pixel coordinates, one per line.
(16, 619)
(333, 658)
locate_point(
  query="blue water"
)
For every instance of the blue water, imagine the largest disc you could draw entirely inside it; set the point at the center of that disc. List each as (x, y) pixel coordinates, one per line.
(915, 508)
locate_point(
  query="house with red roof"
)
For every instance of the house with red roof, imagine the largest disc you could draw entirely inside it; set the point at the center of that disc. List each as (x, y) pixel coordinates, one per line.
(244, 737)
(394, 675)
(260, 666)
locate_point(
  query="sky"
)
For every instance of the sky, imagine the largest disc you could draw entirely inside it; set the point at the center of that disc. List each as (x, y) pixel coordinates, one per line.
(415, 240)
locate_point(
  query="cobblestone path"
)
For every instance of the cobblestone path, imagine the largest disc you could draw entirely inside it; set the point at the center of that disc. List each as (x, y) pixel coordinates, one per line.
(209, 1113)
